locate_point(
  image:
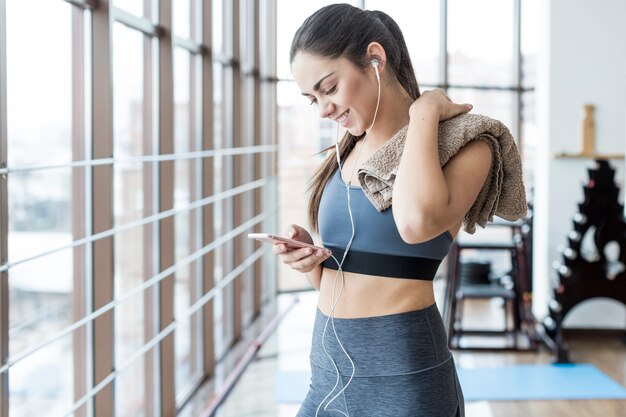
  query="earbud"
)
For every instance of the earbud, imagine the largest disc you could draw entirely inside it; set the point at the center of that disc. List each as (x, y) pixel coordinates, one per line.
(375, 63)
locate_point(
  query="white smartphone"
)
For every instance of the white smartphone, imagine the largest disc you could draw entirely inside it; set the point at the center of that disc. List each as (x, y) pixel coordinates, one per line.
(291, 243)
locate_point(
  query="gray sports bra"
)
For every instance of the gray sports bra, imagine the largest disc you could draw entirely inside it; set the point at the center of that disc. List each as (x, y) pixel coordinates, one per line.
(377, 248)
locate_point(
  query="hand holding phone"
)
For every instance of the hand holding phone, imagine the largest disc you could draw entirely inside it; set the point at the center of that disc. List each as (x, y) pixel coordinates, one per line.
(290, 243)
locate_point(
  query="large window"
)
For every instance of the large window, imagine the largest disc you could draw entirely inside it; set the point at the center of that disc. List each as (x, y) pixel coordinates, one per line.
(128, 184)
(488, 59)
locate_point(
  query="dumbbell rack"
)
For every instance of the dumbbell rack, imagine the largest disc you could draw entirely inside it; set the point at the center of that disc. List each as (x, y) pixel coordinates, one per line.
(584, 272)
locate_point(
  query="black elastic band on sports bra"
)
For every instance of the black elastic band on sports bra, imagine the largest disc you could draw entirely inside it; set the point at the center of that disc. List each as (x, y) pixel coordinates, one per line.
(384, 265)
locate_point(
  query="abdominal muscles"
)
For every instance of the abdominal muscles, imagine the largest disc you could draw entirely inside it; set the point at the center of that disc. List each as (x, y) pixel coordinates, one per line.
(369, 296)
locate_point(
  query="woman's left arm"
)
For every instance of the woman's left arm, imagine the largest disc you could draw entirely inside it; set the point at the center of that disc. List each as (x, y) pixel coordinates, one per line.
(428, 200)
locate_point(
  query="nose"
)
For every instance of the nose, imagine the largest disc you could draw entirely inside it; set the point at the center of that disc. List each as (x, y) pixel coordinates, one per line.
(325, 109)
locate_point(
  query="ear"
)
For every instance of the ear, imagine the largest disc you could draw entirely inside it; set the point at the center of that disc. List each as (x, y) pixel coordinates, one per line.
(376, 51)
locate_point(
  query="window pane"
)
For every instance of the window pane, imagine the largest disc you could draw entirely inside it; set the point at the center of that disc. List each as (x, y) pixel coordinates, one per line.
(301, 135)
(217, 18)
(422, 39)
(129, 322)
(227, 209)
(290, 15)
(128, 106)
(130, 384)
(218, 178)
(185, 244)
(496, 104)
(39, 82)
(41, 384)
(133, 6)
(480, 42)
(39, 131)
(530, 41)
(40, 212)
(181, 10)
(128, 198)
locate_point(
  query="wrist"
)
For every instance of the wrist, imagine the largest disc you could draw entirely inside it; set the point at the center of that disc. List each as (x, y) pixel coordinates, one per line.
(425, 111)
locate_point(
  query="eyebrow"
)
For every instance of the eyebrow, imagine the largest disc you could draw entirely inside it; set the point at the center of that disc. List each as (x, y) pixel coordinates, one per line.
(317, 84)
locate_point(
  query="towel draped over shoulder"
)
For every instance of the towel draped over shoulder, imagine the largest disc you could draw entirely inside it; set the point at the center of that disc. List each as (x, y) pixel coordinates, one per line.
(503, 192)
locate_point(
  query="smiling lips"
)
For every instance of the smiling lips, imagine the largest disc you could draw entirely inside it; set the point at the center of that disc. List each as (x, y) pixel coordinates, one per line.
(342, 118)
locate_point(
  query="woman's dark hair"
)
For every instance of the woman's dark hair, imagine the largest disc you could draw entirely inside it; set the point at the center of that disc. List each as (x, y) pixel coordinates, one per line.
(342, 30)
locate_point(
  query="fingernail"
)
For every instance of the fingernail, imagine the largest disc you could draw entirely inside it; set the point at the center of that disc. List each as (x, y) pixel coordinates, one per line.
(469, 106)
(318, 254)
(291, 232)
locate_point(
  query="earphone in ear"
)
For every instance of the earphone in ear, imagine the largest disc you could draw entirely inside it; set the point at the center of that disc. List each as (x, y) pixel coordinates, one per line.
(375, 63)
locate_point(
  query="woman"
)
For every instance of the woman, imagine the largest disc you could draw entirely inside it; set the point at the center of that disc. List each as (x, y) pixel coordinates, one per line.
(379, 349)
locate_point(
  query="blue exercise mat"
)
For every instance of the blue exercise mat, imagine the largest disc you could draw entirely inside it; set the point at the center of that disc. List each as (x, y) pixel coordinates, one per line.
(503, 383)
(538, 382)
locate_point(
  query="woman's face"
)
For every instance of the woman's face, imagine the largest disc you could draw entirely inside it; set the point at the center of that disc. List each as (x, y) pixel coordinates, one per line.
(340, 90)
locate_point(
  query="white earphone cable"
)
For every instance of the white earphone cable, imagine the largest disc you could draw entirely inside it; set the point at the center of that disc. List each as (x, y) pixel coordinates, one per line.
(331, 316)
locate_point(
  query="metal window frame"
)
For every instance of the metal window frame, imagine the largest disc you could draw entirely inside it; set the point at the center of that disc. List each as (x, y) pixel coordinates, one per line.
(238, 164)
(517, 88)
(194, 227)
(269, 136)
(141, 158)
(196, 222)
(150, 207)
(4, 224)
(136, 223)
(93, 136)
(141, 24)
(102, 206)
(167, 331)
(166, 202)
(156, 279)
(80, 225)
(246, 82)
(227, 140)
(256, 139)
(84, 4)
(208, 212)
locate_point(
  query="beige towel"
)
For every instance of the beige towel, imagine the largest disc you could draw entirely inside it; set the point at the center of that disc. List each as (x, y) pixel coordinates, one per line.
(502, 194)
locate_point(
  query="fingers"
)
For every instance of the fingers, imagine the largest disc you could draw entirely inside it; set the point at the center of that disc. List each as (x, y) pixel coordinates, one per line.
(308, 262)
(302, 260)
(296, 255)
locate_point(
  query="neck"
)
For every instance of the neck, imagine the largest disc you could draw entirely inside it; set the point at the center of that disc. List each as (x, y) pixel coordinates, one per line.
(393, 114)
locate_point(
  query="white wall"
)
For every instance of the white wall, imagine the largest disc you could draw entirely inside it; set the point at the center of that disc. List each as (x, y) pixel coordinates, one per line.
(582, 59)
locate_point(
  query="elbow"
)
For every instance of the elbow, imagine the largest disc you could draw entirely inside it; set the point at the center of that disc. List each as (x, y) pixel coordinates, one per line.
(415, 230)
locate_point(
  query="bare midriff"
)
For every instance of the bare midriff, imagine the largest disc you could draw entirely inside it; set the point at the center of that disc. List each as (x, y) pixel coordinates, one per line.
(369, 296)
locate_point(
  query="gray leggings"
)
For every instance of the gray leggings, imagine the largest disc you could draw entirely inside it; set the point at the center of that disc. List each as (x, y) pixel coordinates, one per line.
(403, 368)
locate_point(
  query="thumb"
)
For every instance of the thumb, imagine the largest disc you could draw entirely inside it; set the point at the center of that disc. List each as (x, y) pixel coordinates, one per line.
(292, 231)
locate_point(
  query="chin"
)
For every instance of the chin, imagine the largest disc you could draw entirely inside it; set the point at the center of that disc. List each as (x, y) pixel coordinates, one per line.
(354, 131)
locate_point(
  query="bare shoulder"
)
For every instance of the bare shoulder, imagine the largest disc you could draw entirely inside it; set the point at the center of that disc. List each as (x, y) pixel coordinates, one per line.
(473, 159)
(465, 176)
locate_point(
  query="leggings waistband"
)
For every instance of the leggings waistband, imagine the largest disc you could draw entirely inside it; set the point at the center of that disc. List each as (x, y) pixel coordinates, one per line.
(395, 344)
